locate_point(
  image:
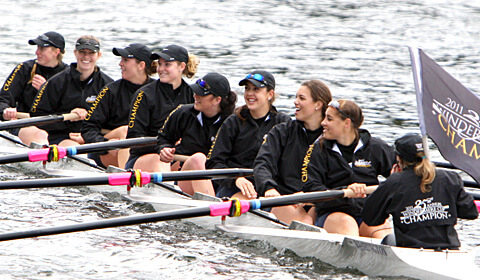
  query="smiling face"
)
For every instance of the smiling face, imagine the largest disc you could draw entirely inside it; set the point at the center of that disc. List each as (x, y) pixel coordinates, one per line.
(47, 56)
(170, 72)
(208, 104)
(257, 99)
(132, 69)
(305, 108)
(334, 127)
(86, 60)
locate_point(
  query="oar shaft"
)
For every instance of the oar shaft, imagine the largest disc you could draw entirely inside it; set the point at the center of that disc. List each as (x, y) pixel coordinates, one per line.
(125, 178)
(109, 223)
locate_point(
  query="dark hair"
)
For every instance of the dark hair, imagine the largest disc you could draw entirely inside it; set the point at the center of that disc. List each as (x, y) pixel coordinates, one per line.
(272, 109)
(351, 109)
(227, 105)
(319, 92)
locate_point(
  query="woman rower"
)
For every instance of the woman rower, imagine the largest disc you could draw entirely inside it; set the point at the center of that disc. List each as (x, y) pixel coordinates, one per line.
(154, 102)
(110, 110)
(346, 155)
(21, 86)
(196, 125)
(240, 137)
(424, 202)
(278, 165)
(72, 91)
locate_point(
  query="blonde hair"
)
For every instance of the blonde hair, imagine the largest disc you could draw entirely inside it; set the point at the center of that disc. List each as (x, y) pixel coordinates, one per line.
(423, 168)
(191, 66)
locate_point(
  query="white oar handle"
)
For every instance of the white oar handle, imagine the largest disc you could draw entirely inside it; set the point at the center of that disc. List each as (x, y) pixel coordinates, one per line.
(21, 115)
(71, 117)
(350, 193)
(181, 158)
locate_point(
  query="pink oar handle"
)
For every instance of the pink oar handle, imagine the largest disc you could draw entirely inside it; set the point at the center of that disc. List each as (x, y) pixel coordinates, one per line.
(223, 209)
(42, 154)
(117, 179)
(477, 202)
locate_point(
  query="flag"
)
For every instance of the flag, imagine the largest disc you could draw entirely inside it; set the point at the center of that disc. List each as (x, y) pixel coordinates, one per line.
(448, 113)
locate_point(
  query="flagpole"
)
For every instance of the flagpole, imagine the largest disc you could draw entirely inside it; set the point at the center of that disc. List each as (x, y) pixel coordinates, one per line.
(416, 68)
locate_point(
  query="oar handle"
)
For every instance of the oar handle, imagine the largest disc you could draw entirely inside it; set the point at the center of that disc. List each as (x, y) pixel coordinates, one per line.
(21, 115)
(181, 158)
(71, 117)
(351, 193)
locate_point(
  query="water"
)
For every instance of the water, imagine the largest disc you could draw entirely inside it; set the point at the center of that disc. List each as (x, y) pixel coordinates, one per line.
(358, 48)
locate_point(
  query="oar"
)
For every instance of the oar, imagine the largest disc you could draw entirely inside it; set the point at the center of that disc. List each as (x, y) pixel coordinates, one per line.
(229, 208)
(61, 152)
(37, 121)
(127, 178)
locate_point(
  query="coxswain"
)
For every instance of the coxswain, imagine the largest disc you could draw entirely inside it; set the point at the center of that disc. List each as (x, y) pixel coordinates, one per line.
(424, 202)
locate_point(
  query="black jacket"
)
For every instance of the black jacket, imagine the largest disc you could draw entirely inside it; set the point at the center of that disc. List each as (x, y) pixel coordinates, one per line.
(280, 159)
(238, 141)
(18, 92)
(327, 169)
(186, 123)
(110, 109)
(63, 93)
(421, 219)
(150, 108)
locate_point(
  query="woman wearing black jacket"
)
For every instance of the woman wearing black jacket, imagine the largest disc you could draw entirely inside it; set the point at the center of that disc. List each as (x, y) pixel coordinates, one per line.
(279, 163)
(424, 202)
(346, 155)
(110, 110)
(190, 129)
(22, 85)
(71, 91)
(240, 137)
(154, 102)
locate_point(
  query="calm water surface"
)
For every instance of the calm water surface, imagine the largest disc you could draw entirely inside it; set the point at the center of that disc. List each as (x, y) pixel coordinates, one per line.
(358, 49)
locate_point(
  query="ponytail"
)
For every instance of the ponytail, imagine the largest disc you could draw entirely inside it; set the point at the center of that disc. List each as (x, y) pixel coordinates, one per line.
(424, 169)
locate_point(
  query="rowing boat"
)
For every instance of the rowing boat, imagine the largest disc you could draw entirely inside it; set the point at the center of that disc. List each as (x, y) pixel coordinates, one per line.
(364, 254)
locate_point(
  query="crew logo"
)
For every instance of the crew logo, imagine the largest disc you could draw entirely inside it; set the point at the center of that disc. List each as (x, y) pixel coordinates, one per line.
(461, 126)
(425, 210)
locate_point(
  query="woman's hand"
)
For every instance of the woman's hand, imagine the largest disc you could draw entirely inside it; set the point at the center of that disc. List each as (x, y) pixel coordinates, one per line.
(166, 154)
(38, 81)
(10, 114)
(77, 137)
(359, 189)
(272, 193)
(81, 112)
(246, 187)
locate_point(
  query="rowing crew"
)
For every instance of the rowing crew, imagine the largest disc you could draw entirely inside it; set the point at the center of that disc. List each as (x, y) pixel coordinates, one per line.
(323, 148)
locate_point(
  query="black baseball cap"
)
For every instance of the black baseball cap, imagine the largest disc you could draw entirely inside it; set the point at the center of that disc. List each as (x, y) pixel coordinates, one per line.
(138, 51)
(407, 146)
(260, 78)
(212, 83)
(172, 53)
(49, 39)
(87, 43)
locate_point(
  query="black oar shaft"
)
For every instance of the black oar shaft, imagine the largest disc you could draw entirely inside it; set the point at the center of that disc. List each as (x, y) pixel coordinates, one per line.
(30, 121)
(301, 198)
(114, 222)
(14, 158)
(53, 182)
(125, 178)
(112, 145)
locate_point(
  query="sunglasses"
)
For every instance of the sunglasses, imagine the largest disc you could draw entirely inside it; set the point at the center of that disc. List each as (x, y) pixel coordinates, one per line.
(257, 77)
(335, 104)
(45, 38)
(204, 85)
